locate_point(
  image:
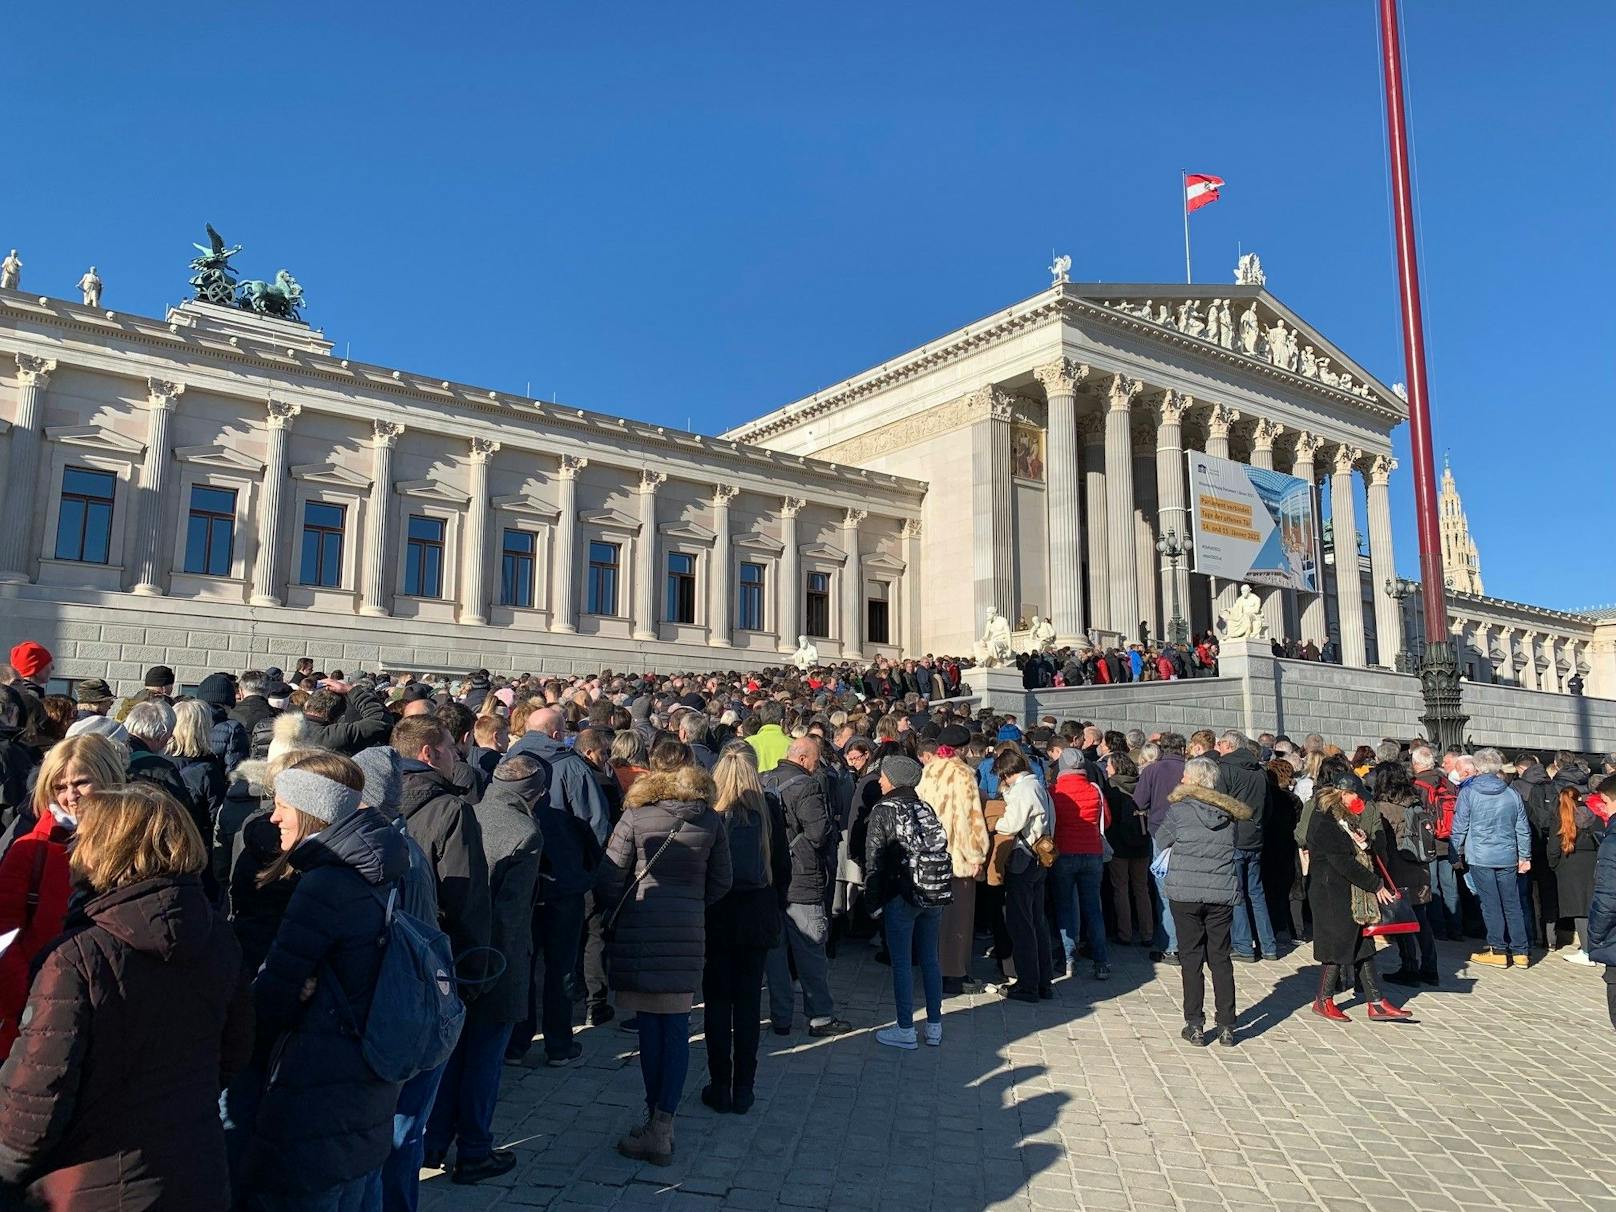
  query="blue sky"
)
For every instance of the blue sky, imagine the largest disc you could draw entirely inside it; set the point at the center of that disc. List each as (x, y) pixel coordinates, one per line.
(705, 210)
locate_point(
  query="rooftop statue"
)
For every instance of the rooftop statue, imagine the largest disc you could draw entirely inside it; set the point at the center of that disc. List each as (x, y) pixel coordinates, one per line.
(212, 280)
(1249, 272)
(280, 298)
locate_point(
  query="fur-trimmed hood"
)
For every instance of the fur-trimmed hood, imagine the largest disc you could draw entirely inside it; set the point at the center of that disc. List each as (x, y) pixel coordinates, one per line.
(1226, 804)
(291, 731)
(688, 783)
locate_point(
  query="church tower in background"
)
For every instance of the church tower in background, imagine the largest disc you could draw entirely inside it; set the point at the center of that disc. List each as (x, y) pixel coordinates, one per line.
(1459, 557)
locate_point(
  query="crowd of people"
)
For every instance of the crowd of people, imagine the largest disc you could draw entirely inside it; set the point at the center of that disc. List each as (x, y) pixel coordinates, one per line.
(213, 897)
(1144, 660)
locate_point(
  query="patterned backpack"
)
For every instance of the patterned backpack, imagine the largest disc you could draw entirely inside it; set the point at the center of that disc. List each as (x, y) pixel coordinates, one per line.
(925, 851)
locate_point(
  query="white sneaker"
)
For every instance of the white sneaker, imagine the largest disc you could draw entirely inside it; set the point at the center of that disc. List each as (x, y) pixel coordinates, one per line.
(1577, 957)
(934, 1034)
(897, 1037)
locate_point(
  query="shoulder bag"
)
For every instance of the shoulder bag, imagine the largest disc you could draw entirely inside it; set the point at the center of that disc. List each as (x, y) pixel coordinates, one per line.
(609, 928)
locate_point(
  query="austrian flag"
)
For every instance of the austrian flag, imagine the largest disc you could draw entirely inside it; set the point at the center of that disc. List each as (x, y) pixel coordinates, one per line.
(1200, 190)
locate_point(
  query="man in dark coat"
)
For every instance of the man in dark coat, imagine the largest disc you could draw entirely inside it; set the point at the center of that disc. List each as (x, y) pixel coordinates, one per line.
(227, 737)
(347, 721)
(1241, 776)
(1542, 802)
(811, 834)
(572, 784)
(1602, 909)
(18, 759)
(252, 705)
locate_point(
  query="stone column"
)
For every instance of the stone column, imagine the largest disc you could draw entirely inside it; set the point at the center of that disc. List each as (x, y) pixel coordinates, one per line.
(910, 534)
(1484, 645)
(1220, 420)
(1143, 438)
(1171, 511)
(1529, 678)
(1263, 437)
(1382, 564)
(564, 559)
(990, 502)
(22, 467)
(1060, 379)
(1551, 675)
(1091, 428)
(852, 586)
(1574, 661)
(265, 582)
(1313, 621)
(1506, 643)
(645, 570)
(1122, 557)
(377, 600)
(474, 602)
(162, 398)
(718, 592)
(789, 592)
(1348, 581)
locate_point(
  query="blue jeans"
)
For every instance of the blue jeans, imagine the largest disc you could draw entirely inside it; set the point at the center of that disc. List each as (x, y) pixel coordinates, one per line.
(907, 925)
(362, 1194)
(465, 1104)
(1077, 892)
(401, 1172)
(1500, 897)
(1166, 936)
(664, 1058)
(1445, 915)
(1248, 886)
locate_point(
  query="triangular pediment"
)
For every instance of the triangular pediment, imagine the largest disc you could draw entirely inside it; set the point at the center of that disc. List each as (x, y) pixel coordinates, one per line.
(882, 561)
(693, 531)
(327, 473)
(612, 519)
(219, 456)
(432, 490)
(94, 437)
(529, 507)
(822, 551)
(759, 542)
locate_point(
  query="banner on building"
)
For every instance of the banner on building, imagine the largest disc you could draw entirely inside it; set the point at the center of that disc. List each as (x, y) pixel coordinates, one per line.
(1251, 524)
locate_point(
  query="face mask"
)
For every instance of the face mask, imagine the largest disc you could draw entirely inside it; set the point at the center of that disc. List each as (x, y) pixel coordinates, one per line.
(1455, 777)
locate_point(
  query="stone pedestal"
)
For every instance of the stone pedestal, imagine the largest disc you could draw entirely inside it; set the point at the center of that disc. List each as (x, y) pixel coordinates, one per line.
(1252, 662)
(1000, 690)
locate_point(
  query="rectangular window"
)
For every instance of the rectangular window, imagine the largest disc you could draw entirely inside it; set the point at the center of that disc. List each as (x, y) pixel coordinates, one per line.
(423, 558)
(681, 587)
(877, 612)
(816, 614)
(516, 568)
(322, 545)
(602, 588)
(749, 598)
(210, 531)
(84, 524)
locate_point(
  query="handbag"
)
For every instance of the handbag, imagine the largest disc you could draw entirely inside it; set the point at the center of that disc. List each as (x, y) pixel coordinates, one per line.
(609, 928)
(1395, 918)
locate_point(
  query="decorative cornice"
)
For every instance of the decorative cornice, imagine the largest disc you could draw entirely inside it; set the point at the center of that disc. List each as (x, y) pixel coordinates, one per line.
(161, 393)
(215, 455)
(385, 433)
(1061, 377)
(34, 372)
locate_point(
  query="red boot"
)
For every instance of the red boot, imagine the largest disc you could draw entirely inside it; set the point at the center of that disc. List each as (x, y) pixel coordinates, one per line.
(1324, 1003)
(1382, 1011)
(1325, 1008)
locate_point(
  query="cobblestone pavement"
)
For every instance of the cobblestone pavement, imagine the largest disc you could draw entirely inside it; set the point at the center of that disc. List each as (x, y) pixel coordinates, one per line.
(1500, 1097)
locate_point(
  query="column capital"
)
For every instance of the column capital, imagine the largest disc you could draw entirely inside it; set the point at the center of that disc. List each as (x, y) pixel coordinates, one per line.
(1381, 467)
(1172, 406)
(1122, 391)
(723, 494)
(571, 465)
(1265, 433)
(993, 400)
(483, 449)
(790, 507)
(1061, 377)
(911, 529)
(650, 480)
(1307, 447)
(34, 372)
(1345, 459)
(853, 517)
(1220, 418)
(385, 433)
(281, 413)
(161, 393)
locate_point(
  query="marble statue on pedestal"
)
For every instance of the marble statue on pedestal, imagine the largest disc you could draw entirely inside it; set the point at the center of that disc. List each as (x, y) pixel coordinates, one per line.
(10, 271)
(1162, 316)
(806, 656)
(1248, 330)
(993, 649)
(1225, 325)
(1061, 270)
(1282, 346)
(1191, 323)
(1309, 363)
(90, 288)
(1212, 331)
(1244, 618)
(1249, 271)
(1043, 634)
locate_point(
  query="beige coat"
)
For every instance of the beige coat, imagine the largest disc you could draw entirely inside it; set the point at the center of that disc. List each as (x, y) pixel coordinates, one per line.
(948, 785)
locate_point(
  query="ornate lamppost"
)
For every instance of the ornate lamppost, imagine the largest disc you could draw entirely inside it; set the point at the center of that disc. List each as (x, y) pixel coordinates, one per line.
(1398, 589)
(1172, 549)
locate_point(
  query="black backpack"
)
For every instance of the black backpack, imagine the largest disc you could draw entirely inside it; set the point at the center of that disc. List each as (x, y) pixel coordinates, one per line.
(1416, 837)
(925, 851)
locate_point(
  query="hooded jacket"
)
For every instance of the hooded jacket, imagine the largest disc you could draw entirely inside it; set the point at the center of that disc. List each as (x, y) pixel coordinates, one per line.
(110, 1100)
(570, 780)
(1241, 775)
(659, 937)
(1199, 827)
(1489, 823)
(1602, 905)
(444, 825)
(810, 833)
(513, 846)
(325, 1117)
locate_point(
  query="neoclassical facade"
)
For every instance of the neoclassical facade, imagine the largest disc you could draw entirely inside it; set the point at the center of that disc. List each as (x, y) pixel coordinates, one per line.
(218, 489)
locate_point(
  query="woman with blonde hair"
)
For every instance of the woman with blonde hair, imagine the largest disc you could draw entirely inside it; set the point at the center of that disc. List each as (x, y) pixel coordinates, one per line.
(949, 786)
(138, 1011)
(201, 770)
(35, 883)
(628, 757)
(742, 926)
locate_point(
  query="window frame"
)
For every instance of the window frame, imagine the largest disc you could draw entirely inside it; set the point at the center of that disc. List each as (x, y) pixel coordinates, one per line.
(589, 604)
(829, 599)
(681, 588)
(340, 531)
(210, 518)
(531, 557)
(884, 599)
(745, 589)
(62, 498)
(440, 545)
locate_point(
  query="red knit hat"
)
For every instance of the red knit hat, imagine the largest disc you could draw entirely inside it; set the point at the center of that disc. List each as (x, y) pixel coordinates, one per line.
(29, 658)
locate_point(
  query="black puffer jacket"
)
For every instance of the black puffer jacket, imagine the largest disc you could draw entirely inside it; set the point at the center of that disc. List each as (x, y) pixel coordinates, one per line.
(660, 939)
(444, 825)
(1241, 775)
(1200, 830)
(361, 723)
(809, 830)
(325, 1117)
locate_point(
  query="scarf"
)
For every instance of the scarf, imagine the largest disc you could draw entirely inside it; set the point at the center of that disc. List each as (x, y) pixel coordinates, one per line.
(1365, 908)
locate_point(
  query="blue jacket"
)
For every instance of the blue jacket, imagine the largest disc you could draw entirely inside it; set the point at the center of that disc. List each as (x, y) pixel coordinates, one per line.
(1602, 910)
(1489, 823)
(571, 781)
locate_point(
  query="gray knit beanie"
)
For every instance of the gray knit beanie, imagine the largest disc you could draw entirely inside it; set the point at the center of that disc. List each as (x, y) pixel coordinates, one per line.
(384, 781)
(900, 771)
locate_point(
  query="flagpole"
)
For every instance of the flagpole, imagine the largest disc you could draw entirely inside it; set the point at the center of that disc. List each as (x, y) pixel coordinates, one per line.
(1184, 199)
